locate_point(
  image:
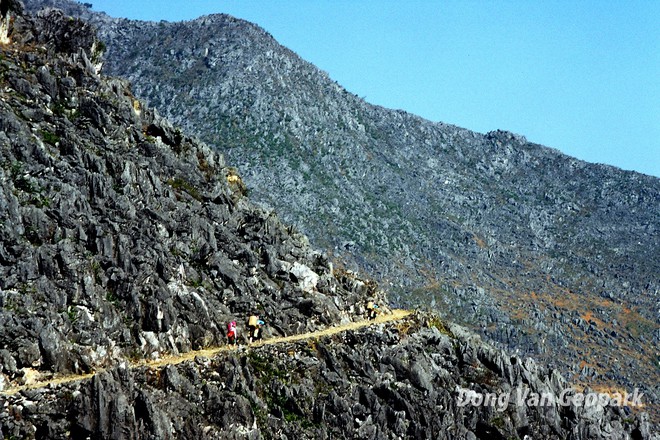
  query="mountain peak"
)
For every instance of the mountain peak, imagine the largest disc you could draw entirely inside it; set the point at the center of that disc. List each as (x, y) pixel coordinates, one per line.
(124, 239)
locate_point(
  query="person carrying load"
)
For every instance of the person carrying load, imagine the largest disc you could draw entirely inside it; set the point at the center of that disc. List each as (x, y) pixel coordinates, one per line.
(254, 326)
(372, 310)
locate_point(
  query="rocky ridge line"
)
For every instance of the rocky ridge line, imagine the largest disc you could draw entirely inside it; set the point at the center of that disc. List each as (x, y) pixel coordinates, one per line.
(121, 236)
(543, 253)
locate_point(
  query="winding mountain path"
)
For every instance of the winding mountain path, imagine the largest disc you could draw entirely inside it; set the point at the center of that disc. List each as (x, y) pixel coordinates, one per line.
(35, 383)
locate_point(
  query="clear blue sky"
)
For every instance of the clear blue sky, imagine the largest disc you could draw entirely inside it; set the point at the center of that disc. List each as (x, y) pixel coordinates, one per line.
(579, 76)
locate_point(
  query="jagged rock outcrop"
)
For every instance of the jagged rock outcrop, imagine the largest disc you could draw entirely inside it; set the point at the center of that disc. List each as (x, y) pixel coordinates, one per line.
(546, 254)
(121, 237)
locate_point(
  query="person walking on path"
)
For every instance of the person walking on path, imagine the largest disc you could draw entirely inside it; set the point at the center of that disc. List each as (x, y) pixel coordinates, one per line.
(232, 333)
(255, 324)
(372, 310)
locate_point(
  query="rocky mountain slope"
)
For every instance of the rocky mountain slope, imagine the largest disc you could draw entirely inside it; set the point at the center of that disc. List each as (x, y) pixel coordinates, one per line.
(546, 254)
(122, 237)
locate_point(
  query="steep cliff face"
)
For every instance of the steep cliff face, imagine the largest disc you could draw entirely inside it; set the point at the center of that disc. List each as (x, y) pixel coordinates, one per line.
(544, 253)
(122, 238)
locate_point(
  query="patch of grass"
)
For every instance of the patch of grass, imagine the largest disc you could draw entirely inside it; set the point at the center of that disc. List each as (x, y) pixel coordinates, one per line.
(404, 327)
(72, 314)
(40, 201)
(32, 235)
(49, 137)
(180, 184)
(96, 270)
(195, 283)
(25, 184)
(440, 325)
(498, 422)
(642, 327)
(27, 289)
(635, 323)
(98, 51)
(134, 354)
(111, 298)
(257, 410)
(482, 376)
(73, 115)
(267, 373)
(59, 109)
(265, 368)
(15, 168)
(21, 181)
(290, 416)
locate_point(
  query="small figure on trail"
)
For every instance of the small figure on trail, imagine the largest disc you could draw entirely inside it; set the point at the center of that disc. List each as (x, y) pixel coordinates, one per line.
(254, 326)
(232, 333)
(372, 310)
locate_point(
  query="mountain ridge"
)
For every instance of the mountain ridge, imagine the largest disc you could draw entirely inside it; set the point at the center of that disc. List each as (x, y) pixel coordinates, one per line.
(466, 248)
(123, 237)
(541, 252)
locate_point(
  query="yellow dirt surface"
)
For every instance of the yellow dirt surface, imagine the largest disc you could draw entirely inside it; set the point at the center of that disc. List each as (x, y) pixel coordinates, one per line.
(394, 315)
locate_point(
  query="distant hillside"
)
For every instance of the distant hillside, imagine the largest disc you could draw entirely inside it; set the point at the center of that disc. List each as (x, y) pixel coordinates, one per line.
(547, 254)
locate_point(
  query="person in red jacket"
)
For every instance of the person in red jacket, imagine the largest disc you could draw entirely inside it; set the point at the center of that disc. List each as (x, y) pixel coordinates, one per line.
(232, 333)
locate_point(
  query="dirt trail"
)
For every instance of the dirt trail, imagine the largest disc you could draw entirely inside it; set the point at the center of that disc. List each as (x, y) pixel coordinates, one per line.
(35, 383)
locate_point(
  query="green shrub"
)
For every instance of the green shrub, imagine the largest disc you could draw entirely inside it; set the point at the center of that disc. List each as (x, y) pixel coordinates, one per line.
(440, 325)
(50, 138)
(180, 184)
